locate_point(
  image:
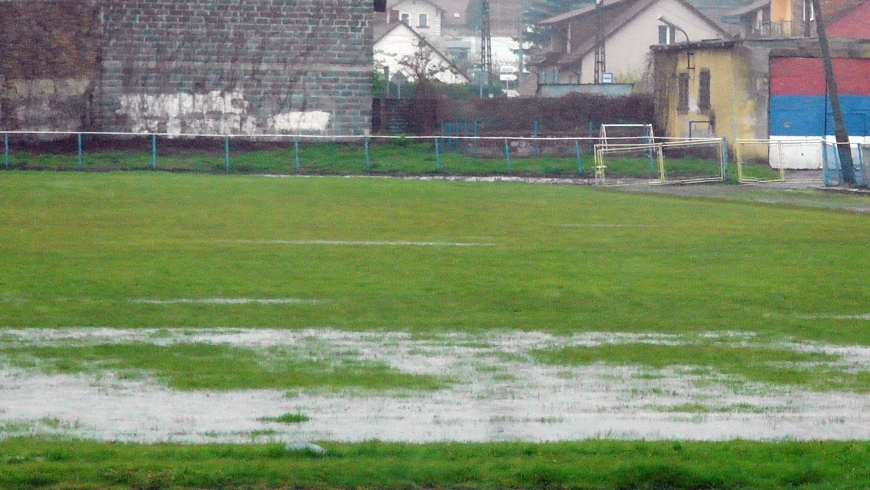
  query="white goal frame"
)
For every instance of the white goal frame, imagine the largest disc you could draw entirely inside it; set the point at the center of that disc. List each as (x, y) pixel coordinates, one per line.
(655, 152)
(645, 138)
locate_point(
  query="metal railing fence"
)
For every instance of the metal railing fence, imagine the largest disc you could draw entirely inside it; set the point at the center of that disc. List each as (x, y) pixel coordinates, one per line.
(569, 157)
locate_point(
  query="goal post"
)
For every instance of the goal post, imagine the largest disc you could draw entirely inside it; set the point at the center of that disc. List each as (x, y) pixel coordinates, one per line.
(673, 161)
(626, 134)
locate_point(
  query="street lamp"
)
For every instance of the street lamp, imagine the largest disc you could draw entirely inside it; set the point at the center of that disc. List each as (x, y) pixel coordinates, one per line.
(664, 20)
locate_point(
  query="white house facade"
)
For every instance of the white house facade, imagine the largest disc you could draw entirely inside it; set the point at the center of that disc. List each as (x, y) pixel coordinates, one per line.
(422, 16)
(400, 49)
(628, 28)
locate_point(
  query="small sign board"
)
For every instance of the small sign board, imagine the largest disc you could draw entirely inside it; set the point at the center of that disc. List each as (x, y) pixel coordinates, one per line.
(607, 77)
(507, 77)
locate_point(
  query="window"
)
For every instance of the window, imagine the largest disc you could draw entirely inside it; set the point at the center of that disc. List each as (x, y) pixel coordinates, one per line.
(549, 75)
(406, 18)
(458, 53)
(683, 103)
(667, 34)
(704, 90)
(380, 5)
(424, 21)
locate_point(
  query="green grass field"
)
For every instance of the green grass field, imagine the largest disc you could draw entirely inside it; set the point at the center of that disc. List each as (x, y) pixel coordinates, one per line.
(164, 250)
(141, 249)
(666, 465)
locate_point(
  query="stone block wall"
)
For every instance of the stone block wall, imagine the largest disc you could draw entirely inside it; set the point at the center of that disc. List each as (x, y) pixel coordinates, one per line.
(187, 66)
(49, 61)
(237, 66)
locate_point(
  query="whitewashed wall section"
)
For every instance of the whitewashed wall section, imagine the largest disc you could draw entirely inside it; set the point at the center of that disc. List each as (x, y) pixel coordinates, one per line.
(212, 113)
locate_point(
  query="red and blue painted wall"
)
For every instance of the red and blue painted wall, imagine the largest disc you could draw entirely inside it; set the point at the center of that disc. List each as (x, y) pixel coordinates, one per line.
(800, 103)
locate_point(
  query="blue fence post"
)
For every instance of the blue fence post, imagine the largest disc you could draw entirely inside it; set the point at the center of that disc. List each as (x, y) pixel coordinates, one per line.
(507, 154)
(81, 159)
(438, 167)
(6, 150)
(368, 156)
(296, 164)
(153, 152)
(227, 152)
(579, 157)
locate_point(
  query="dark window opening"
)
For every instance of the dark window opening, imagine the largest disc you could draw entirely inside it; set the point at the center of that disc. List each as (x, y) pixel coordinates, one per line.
(458, 53)
(380, 5)
(683, 104)
(704, 90)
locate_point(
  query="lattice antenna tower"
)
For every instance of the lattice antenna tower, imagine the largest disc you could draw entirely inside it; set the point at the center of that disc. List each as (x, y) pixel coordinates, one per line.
(485, 42)
(600, 55)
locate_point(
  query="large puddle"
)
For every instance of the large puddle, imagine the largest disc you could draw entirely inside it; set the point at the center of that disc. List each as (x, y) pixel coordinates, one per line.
(500, 394)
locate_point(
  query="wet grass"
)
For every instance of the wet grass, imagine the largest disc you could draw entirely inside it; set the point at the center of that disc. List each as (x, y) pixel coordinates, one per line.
(84, 249)
(675, 168)
(59, 464)
(761, 171)
(394, 157)
(77, 249)
(200, 366)
(793, 198)
(813, 371)
(287, 418)
(701, 408)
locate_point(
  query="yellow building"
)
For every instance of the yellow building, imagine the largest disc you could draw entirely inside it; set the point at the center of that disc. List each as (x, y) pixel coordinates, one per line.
(759, 89)
(711, 88)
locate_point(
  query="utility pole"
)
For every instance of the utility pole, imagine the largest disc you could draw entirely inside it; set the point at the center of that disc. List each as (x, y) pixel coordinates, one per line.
(844, 150)
(485, 42)
(600, 61)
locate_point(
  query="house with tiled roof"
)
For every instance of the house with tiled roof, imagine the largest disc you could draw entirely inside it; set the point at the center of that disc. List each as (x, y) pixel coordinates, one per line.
(404, 55)
(627, 29)
(851, 23)
(785, 18)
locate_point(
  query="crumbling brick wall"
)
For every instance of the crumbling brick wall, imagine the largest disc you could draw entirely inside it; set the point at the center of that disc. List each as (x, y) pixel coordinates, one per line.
(237, 66)
(187, 66)
(49, 60)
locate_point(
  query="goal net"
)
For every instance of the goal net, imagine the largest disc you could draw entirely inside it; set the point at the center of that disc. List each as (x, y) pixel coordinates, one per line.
(766, 160)
(626, 134)
(672, 161)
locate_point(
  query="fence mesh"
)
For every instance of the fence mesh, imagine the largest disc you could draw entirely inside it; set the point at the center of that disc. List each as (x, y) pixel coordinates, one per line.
(836, 173)
(807, 160)
(567, 157)
(666, 162)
